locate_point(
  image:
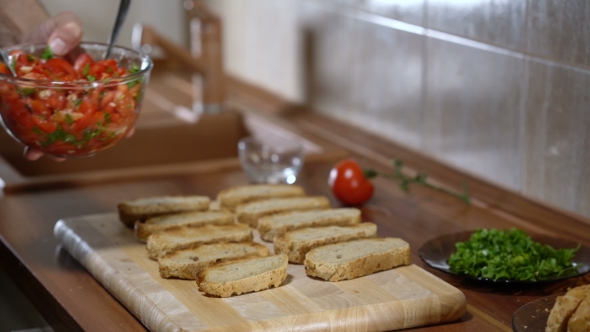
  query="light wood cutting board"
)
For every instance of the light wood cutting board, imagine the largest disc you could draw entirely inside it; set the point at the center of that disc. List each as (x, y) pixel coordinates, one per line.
(400, 298)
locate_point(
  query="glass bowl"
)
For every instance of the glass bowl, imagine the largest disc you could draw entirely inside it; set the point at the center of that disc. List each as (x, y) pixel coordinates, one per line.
(76, 118)
(272, 159)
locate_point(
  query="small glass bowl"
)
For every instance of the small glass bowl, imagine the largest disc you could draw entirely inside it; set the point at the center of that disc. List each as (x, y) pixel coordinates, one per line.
(47, 116)
(271, 160)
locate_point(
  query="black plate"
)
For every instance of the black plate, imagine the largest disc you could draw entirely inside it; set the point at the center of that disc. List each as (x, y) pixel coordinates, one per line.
(532, 317)
(437, 251)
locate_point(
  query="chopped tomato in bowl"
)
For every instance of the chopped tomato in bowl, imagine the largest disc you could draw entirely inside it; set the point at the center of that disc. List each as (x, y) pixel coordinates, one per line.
(72, 108)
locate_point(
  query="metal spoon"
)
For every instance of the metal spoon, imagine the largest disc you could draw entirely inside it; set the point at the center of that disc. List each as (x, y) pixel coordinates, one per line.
(5, 60)
(121, 14)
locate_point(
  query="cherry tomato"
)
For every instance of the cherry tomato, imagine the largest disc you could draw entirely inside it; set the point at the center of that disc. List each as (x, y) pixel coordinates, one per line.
(349, 184)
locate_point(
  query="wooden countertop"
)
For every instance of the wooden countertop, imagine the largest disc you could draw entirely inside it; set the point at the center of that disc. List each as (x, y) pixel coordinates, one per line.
(71, 299)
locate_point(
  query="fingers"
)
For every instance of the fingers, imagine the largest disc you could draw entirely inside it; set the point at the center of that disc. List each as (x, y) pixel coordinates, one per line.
(67, 33)
(62, 33)
(130, 132)
(32, 155)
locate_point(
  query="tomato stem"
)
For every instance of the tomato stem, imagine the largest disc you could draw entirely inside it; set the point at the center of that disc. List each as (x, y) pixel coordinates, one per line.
(419, 178)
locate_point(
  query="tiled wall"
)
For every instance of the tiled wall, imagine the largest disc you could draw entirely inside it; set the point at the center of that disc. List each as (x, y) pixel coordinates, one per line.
(499, 88)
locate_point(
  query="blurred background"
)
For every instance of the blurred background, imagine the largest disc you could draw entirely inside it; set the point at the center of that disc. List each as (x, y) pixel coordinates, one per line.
(497, 88)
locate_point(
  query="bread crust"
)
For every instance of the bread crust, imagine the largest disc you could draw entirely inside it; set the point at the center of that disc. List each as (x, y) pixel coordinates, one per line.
(155, 224)
(580, 320)
(232, 197)
(280, 223)
(564, 308)
(186, 263)
(249, 213)
(263, 279)
(144, 208)
(353, 265)
(296, 249)
(183, 237)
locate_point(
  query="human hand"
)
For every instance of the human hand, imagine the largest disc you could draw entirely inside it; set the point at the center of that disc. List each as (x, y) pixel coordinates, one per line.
(62, 33)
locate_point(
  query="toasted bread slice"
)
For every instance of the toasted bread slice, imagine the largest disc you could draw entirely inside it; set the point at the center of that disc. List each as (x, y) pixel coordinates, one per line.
(243, 275)
(183, 237)
(564, 308)
(580, 320)
(144, 208)
(296, 244)
(249, 213)
(186, 263)
(234, 196)
(353, 259)
(199, 218)
(276, 224)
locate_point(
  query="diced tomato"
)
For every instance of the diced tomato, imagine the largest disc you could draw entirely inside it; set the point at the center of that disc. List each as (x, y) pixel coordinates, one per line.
(96, 70)
(56, 100)
(64, 119)
(10, 96)
(115, 118)
(44, 125)
(79, 125)
(108, 98)
(63, 148)
(83, 63)
(86, 107)
(4, 69)
(38, 107)
(61, 68)
(21, 57)
(126, 106)
(134, 90)
(33, 75)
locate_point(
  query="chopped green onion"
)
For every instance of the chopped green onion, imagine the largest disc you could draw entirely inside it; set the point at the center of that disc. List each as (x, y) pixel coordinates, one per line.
(47, 53)
(134, 69)
(133, 83)
(27, 91)
(510, 255)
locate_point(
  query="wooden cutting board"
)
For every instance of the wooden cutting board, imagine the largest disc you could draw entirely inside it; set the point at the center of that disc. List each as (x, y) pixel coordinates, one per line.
(400, 298)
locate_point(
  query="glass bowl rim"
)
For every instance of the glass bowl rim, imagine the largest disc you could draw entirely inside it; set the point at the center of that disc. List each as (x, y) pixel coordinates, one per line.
(79, 84)
(294, 144)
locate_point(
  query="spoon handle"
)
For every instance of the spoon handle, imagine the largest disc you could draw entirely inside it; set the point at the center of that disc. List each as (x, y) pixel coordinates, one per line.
(121, 14)
(5, 60)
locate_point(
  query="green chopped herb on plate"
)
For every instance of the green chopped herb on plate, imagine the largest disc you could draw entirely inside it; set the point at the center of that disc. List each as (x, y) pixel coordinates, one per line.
(510, 255)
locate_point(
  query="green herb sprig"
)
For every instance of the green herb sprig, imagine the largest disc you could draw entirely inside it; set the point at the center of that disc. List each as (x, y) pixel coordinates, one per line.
(510, 255)
(420, 178)
(47, 53)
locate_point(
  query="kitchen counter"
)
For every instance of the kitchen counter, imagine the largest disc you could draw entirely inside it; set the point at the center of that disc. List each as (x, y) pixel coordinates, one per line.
(69, 298)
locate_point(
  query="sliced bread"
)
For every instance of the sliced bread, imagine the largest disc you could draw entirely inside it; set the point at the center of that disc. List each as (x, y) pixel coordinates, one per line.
(296, 244)
(276, 224)
(353, 259)
(144, 208)
(243, 275)
(249, 213)
(156, 224)
(186, 263)
(580, 320)
(183, 237)
(564, 308)
(232, 197)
